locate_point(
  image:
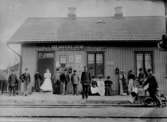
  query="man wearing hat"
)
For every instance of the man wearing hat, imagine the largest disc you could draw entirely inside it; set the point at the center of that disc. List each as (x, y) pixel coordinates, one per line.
(63, 81)
(75, 81)
(26, 79)
(12, 83)
(85, 81)
(152, 86)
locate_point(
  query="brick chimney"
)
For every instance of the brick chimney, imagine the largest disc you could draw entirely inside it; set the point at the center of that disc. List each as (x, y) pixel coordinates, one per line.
(118, 12)
(71, 13)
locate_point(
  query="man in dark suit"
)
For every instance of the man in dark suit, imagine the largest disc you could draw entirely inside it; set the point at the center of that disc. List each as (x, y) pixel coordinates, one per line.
(27, 79)
(12, 83)
(85, 81)
(141, 76)
(75, 81)
(3, 83)
(67, 80)
(63, 81)
(153, 86)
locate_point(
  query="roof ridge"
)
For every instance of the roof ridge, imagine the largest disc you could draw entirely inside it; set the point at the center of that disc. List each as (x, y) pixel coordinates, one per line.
(89, 17)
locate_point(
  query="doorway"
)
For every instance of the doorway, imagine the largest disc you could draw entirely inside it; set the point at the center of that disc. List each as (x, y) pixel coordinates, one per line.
(45, 61)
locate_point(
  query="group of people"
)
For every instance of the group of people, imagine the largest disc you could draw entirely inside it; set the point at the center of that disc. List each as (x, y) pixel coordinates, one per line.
(101, 86)
(23, 82)
(145, 80)
(67, 81)
(57, 84)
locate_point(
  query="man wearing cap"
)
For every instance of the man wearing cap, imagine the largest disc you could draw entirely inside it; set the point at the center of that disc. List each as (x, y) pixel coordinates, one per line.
(153, 86)
(26, 78)
(63, 81)
(12, 82)
(75, 81)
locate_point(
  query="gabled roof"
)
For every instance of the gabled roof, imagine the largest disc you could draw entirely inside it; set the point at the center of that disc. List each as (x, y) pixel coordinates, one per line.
(89, 28)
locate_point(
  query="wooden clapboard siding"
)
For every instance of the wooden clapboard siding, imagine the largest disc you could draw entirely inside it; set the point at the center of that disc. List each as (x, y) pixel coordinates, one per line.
(160, 63)
(29, 60)
(124, 59)
(121, 57)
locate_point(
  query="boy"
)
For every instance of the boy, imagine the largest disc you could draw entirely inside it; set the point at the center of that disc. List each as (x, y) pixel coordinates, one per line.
(108, 86)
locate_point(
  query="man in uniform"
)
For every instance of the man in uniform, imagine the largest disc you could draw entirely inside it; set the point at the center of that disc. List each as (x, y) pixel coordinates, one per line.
(27, 79)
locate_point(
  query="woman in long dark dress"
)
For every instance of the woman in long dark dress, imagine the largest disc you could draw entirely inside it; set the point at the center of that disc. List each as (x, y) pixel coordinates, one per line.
(38, 79)
(69, 82)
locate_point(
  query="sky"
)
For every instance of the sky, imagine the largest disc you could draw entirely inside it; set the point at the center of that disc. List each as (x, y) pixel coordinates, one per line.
(13, 13)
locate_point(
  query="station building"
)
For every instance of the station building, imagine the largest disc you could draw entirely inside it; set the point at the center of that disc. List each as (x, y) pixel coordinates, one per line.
(103, 44)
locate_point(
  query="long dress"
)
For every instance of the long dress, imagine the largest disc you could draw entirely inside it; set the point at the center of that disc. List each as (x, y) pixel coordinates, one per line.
(130, 85)
(101, 87)
(69, 86)
(47, 84)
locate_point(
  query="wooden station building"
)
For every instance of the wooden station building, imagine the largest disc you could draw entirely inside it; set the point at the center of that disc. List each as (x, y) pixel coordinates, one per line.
(103, 44)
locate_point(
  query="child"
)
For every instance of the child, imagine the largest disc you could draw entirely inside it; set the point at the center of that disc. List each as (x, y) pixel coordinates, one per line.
(108, 86)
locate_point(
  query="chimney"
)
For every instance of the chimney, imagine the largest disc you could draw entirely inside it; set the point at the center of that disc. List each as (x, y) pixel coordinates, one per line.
(118, 12)
(71, 13)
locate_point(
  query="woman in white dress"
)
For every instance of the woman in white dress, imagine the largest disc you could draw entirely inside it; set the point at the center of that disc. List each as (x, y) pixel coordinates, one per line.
(47, 84)
(101, 86)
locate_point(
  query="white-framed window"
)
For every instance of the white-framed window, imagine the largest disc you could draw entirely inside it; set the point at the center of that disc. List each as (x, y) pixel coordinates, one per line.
(144, 60)
(95, 63)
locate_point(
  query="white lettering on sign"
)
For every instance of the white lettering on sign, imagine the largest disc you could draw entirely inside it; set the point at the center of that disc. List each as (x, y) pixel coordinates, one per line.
(61, 47)
(45, 55)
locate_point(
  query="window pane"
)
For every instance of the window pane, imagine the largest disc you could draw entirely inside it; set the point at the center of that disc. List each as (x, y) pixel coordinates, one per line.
(99, 65)
(148, 63)
(144, 60)
(91, 64)
(91, 58)
(99, 58)
(139, 62)
(63, 59)
(96, 64)
(78, 58)
(99, 69)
